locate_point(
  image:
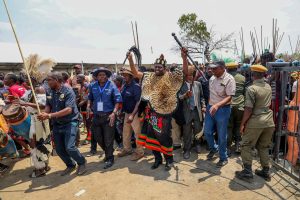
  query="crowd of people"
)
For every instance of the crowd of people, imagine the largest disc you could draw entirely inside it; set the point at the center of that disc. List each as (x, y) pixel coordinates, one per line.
(162, 109)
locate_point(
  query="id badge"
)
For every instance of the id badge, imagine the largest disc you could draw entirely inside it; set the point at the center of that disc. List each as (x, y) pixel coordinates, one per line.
(100, 106)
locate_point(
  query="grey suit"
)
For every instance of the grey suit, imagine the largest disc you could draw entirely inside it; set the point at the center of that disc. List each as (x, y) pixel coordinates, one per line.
(193, 116)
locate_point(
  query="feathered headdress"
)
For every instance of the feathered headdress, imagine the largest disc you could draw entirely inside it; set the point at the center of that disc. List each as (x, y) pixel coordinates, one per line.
(38, 68)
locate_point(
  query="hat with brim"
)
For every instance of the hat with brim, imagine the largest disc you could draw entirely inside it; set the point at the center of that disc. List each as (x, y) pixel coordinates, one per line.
(258, 68)
(102, 69)
(219, 63)
(232, 65)
(77, 67)
(126, 70)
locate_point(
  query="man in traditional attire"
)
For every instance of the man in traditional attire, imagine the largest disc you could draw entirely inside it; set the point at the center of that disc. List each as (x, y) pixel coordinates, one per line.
(159, 89)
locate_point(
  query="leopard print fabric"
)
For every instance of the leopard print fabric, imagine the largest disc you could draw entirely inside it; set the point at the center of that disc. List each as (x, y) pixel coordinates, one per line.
(161, 91)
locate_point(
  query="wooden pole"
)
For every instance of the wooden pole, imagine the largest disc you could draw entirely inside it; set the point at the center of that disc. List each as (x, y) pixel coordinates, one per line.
(23, 59)
(137, 36)
(133, 33)
(257, 41)
(242, 43)
(291, 45)
(261, 39)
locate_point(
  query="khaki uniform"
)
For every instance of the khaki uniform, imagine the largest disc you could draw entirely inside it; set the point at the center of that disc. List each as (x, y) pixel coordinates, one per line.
(260, 127)
(237, 109)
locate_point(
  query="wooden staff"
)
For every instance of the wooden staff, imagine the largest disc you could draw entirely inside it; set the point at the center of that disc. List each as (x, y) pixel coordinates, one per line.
(257, 41)
(291, 45)
(242, 43)
(261, 39)
(23, 59)
(137, 36)
(82, 68)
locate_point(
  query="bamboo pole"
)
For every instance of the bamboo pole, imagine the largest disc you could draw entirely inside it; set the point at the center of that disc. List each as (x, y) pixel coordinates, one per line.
(23, 59)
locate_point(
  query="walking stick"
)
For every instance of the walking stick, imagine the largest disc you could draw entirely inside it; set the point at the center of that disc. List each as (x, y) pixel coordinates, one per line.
(179, 43)
(23, 59)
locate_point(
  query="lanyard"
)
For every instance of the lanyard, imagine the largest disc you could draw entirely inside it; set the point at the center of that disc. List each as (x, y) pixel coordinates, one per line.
(102, 90)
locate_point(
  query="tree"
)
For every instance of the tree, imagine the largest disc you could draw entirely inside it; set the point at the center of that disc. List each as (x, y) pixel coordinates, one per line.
(198, 39)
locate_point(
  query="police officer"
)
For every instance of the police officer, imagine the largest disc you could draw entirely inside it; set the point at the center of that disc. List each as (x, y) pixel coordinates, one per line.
(104, 97)
(237, 108)
(61, 108)
(257, 125)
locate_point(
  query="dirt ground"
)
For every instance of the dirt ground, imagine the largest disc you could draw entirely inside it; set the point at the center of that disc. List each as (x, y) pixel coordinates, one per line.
(192, 179)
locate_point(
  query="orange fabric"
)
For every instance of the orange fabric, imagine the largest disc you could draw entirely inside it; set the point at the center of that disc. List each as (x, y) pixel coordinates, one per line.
(292, 126)
(293, 150)
(3, 125)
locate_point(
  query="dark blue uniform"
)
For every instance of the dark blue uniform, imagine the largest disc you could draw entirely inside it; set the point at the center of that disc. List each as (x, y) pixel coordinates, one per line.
(65, 128)
(103, 101)
(131, 94)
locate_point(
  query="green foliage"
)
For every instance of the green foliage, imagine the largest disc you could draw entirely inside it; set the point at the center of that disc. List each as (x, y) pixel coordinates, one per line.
(193, 28)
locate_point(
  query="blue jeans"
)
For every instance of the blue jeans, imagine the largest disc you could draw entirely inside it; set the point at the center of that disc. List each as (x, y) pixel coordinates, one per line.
(219, 123)
(64, 139)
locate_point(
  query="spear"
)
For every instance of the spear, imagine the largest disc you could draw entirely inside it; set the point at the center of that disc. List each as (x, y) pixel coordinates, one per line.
(23, 59)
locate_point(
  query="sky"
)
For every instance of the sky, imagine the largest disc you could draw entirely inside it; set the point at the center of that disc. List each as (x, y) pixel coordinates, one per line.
(97, 31)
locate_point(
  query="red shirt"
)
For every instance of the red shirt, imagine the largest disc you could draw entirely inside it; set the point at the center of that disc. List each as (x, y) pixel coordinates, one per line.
(17, 90)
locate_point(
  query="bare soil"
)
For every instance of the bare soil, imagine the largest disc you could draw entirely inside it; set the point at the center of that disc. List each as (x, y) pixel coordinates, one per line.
(193, 179)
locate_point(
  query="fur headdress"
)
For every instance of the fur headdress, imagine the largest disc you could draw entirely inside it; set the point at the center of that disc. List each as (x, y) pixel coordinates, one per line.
(38, 68)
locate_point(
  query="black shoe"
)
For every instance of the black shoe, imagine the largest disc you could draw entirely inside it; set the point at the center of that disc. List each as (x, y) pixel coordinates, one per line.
(175, 147)
(229, 153)
(246, 174)
(68, 171)
(156, 164)
(81, 170)
(186, 155)
(169, 166)
(198, 148)
(3, 168)
(108, 164)
(221, 163)
(264, 173)
(92, 153)
(211, 154)
(237, 148)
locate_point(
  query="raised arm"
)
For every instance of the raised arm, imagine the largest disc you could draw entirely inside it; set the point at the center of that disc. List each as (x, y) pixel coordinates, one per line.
(135, 72)
(184, 61)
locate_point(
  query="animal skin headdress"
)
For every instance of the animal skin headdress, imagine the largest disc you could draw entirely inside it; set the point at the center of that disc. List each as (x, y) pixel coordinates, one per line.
(161, 60)
(38, 68)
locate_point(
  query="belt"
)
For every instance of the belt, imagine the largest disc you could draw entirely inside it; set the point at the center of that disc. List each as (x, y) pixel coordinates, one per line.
(257, 111)
(102, 114)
